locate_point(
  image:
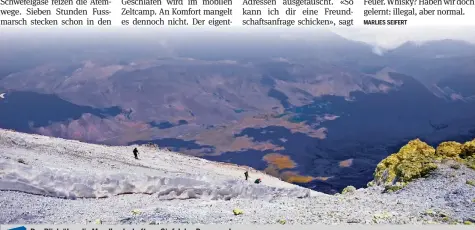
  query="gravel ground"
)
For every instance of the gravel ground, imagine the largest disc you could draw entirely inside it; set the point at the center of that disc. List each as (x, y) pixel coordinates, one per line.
(442, 197)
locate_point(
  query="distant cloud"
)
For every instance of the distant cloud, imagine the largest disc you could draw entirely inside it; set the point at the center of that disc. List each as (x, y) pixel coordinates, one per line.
(378, 51)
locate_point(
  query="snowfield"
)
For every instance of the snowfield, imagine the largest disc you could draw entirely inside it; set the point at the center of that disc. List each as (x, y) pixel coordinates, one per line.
(71, 184)
(52, 180)
(71, 169)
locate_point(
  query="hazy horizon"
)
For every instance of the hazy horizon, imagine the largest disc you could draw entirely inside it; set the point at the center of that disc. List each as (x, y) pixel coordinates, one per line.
(386, 38)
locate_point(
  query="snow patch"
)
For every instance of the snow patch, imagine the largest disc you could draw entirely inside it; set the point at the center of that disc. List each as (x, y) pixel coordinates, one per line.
(69, 184)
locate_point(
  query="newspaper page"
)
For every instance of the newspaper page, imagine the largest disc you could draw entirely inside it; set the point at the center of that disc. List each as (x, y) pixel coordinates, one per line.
(237, 114)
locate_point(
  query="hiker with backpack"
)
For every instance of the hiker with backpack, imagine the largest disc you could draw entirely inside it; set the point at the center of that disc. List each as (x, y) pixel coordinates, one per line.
(246, 175)
(136, 153)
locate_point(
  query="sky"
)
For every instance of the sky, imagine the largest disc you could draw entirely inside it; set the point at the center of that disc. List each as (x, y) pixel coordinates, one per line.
(392, 37)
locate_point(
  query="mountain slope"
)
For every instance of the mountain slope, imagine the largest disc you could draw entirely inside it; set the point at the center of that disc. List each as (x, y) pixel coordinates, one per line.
(165, 187)
(327, 106)
(441, 64)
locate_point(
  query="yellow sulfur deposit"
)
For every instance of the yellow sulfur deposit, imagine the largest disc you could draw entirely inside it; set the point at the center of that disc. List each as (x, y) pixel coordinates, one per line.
(413, 160)
(468, 149)
(416, 159)
(449, 149)
(237, 211)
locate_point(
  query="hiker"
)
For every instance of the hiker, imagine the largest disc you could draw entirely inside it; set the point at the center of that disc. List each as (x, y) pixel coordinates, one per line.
(258, 181)
(136, 153)
(246, 174)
